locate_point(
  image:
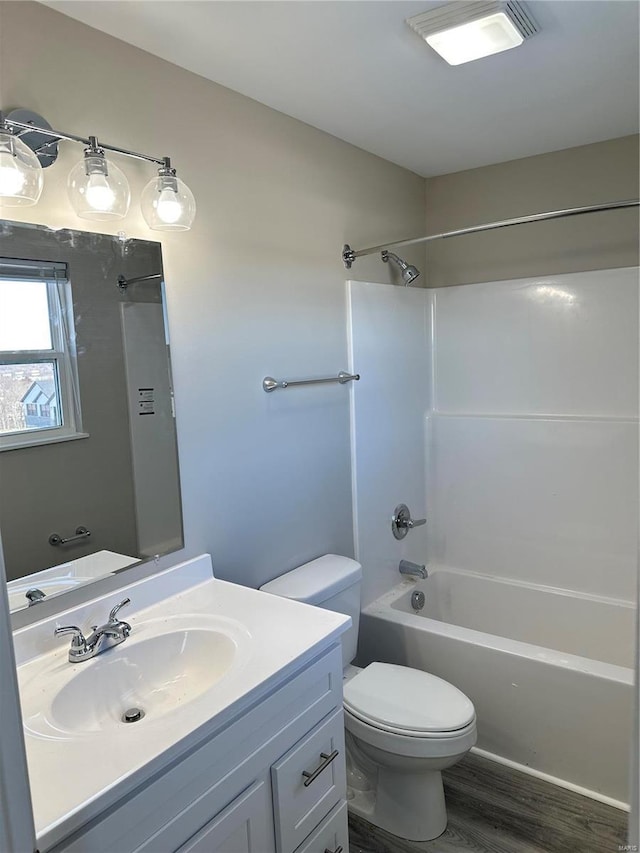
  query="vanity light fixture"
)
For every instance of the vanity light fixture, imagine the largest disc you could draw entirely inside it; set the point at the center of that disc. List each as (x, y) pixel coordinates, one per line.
(167, 203)
(97, 188)
(462, 32)
(20, 170)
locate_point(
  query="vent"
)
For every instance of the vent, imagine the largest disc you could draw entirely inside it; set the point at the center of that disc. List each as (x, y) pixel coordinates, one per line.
(461, 32)
(455, 14)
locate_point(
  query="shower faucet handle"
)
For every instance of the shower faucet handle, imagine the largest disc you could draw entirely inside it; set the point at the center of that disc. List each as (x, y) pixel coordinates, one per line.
(402, 523)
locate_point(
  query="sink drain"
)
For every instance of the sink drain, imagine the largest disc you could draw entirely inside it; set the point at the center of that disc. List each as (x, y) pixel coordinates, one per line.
(132, 715)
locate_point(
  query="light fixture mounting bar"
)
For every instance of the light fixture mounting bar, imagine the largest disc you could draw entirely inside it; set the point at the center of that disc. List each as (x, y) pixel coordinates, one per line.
(71, 137)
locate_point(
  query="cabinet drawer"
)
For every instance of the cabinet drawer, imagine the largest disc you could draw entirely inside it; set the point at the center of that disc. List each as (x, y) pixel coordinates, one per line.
(308, 781)
(332, 836)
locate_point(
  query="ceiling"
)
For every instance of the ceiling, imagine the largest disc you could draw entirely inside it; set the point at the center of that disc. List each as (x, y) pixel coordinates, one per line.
(353, 68)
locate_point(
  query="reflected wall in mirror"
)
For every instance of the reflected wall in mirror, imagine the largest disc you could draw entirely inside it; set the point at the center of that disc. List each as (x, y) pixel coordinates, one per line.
(88, 449)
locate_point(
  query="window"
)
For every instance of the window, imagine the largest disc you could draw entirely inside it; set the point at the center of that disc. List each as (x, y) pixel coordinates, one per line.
(39, 392)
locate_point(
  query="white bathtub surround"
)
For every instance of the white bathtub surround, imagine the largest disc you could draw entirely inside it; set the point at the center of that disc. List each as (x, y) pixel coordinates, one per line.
(552, 501)
(554, 345)
(533, 445)
(389, 332)
(544, 707)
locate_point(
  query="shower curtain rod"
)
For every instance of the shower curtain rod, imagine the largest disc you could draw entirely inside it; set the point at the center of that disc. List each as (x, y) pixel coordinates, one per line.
(349, 254)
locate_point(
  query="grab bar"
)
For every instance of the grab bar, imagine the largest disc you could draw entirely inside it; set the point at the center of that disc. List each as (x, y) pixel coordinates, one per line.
(270, 384)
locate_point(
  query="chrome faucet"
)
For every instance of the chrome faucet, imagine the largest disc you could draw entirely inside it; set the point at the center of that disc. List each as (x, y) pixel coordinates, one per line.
(414, 569)
(102, 637)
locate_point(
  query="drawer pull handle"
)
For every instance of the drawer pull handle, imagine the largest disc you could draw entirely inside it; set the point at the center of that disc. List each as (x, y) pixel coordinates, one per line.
(326, 761)
(337, 850)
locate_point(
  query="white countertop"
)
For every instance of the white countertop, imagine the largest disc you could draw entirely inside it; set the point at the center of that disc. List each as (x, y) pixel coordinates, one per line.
(76, 776)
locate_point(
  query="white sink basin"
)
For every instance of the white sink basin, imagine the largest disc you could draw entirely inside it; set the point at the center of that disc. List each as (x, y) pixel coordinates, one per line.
(201, 652)
(164, 667)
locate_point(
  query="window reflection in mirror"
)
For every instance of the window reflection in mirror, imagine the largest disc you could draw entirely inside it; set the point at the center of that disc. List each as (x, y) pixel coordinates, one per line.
(83, 357)
(39, 393)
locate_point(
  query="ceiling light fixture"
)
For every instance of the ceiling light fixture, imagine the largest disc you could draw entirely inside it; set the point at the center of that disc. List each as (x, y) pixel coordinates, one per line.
(97, 188)
(462, 32)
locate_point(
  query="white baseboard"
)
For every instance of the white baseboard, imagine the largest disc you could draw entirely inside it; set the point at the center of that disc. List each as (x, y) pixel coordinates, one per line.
(562, 783)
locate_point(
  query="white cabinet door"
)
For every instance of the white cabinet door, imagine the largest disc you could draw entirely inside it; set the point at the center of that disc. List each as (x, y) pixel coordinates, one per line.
(245, 826)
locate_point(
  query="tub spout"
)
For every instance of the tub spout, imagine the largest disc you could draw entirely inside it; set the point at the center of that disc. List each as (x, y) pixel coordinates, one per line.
(408, 568)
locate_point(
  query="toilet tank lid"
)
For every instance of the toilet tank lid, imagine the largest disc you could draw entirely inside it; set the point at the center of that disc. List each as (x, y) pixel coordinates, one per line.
(318, 580)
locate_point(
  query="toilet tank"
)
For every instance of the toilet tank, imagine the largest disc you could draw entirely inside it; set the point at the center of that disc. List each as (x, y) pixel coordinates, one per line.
(332, 582)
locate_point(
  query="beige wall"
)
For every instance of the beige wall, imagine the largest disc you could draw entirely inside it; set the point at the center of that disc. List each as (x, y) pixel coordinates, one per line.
(256, 288)
(590, 174)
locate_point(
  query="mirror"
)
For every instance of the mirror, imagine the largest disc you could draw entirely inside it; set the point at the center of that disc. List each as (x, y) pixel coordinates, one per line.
(89, 480)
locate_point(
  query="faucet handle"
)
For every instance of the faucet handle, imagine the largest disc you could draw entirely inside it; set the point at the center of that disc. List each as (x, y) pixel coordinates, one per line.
(78, 641)
(114, 610)
(34, 595)
(402, 523)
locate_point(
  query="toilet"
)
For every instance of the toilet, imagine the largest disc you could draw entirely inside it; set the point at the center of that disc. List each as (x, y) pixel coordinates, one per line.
(403, 726)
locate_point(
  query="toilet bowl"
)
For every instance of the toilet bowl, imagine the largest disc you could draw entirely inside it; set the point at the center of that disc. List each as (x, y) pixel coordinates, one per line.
(404, 726)
(410, 725)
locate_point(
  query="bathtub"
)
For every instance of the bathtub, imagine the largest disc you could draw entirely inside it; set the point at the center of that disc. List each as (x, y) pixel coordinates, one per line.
(549, 671)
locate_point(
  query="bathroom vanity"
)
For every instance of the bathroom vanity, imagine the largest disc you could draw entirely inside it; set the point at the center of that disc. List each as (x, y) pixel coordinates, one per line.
(241, 743)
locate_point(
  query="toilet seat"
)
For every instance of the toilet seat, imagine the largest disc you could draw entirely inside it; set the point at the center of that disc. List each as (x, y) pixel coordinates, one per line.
(438, 745)
(407, 702)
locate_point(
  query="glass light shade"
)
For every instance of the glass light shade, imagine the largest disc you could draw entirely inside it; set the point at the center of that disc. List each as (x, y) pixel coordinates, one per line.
(98, 190)
(476, 39)
(168, 204)
(20, 172)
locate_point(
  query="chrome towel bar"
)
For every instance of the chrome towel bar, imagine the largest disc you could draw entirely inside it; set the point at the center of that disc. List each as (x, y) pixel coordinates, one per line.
(270, 384)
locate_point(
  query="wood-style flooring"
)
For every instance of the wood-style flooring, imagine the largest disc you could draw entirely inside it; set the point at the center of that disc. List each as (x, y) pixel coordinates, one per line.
(494, 809)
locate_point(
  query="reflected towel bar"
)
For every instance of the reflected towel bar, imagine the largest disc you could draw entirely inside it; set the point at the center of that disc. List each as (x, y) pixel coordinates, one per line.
(123, 282)
(81, 533)
(270, 384)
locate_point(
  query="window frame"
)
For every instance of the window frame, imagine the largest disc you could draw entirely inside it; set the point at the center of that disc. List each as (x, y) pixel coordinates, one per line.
(62, 354)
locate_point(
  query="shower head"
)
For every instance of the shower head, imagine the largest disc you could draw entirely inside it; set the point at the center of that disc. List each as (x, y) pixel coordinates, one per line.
(409, 272)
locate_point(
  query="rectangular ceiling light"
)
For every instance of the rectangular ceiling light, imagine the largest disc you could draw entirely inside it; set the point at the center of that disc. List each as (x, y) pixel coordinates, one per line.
(462, 32)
